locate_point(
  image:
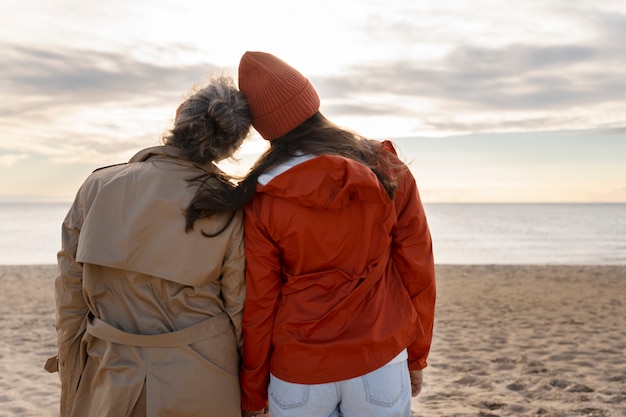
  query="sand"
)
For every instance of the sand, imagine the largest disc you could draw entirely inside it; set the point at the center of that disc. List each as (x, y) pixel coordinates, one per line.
(509, 341)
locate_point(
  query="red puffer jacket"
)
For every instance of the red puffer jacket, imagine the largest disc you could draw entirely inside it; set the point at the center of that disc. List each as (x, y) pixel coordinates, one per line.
(339, 278)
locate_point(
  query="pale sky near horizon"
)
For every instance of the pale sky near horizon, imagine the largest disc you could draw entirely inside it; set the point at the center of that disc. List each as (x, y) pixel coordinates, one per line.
(490, 101)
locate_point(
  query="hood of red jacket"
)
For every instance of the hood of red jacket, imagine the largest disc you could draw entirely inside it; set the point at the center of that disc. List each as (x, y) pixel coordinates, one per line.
(326, 182)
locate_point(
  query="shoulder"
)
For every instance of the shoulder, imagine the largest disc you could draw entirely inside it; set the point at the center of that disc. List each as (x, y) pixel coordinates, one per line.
(108, 166)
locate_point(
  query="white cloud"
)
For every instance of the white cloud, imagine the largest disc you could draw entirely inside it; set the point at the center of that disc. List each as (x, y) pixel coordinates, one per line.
(11, 159)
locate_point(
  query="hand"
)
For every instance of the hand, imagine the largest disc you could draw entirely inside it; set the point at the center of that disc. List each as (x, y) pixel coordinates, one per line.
(417, 379)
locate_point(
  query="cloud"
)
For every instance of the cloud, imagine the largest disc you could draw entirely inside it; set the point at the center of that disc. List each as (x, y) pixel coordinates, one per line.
(84, 76)
(613, 131)
(523, 58)
(362, 108)
(521, 86)
(80, 105)
(610, 27)
(10, 160)
(450, 124)
(513, 77)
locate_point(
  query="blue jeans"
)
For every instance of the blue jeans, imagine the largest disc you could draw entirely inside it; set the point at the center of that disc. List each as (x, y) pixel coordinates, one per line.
(385, 392)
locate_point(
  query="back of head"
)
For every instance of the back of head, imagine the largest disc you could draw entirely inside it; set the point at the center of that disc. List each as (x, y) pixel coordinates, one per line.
(212, 123)
(280, 97)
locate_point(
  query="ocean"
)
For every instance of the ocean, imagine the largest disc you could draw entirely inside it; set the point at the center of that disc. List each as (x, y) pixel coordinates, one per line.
(546, 234)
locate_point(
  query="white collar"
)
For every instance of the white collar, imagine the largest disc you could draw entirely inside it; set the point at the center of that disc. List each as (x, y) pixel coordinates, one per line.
(267, 176)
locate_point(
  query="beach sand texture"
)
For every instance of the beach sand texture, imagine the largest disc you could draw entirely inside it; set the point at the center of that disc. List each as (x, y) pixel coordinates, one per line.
(509, 341)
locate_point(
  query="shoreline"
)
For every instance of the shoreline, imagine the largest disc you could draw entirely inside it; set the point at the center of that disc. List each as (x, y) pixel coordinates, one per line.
(510, 340)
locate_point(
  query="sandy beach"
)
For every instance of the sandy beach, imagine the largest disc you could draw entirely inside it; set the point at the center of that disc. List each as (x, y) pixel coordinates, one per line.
(509, 341)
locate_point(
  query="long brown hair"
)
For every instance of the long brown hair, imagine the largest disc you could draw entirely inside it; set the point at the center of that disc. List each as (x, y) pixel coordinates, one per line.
(316, 136)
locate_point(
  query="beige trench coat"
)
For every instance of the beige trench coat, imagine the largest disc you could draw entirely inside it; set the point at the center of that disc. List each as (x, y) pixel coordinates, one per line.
(143, 308)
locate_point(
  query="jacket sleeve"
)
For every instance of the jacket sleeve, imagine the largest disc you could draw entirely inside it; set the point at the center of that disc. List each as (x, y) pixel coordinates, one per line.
(412, 255)
(71, 308)
(233, 286)
(263, 282)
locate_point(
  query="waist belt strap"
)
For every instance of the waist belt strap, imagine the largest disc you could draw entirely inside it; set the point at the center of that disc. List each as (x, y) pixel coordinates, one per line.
(200, 331)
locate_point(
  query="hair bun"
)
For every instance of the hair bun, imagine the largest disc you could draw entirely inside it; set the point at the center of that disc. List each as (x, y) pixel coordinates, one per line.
(213, 121)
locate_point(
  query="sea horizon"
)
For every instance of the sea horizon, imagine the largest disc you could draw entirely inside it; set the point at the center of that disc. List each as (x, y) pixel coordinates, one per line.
(463, 233)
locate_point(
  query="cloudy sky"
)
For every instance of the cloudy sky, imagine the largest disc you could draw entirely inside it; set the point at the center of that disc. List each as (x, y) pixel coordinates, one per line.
(489, 100)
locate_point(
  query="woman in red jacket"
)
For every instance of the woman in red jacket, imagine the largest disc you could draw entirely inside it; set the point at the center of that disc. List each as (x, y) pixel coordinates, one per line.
(340, 275)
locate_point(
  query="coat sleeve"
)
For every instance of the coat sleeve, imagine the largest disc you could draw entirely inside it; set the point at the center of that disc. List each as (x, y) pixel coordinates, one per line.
(233, 286)
(412, 254)
(71, 308)
(263, 282)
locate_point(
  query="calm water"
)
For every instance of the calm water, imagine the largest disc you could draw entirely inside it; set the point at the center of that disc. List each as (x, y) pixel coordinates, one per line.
(574, 234)
(462, 233)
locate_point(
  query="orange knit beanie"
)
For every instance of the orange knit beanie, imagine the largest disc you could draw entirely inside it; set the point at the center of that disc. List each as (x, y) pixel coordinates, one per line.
(279, 97)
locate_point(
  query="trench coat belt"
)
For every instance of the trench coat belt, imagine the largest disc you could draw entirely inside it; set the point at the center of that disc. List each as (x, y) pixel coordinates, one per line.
(200, 331)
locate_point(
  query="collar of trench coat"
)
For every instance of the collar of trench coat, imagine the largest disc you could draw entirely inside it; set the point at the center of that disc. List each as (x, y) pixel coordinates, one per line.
(134, 220)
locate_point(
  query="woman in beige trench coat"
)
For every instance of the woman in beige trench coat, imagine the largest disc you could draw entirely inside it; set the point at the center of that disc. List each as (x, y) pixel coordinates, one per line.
(149, 294)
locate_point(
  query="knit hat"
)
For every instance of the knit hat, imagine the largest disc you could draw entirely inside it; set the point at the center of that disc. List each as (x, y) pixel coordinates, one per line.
(279, 97)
